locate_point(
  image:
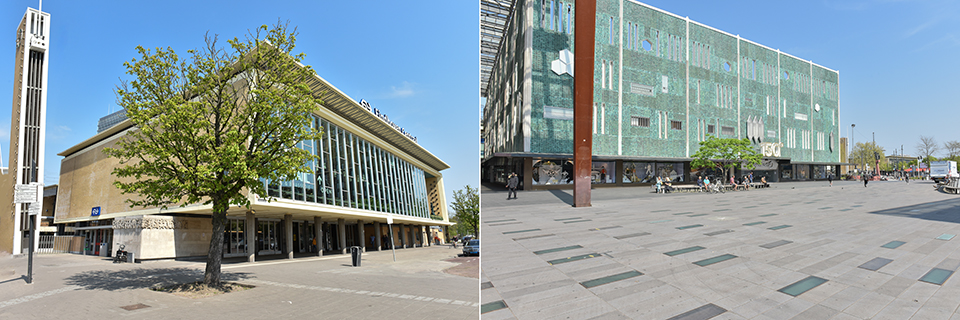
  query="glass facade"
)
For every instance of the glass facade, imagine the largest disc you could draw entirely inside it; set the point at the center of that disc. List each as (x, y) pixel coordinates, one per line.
(352, 172)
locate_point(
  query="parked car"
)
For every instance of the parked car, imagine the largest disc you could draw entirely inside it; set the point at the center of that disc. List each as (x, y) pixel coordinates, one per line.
(472, 248)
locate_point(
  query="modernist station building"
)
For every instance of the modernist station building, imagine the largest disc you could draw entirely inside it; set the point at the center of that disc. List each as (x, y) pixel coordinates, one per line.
(369, 171)
(662, 84)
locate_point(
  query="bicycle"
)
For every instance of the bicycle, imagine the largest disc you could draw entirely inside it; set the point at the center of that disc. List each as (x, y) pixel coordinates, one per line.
(717, 187)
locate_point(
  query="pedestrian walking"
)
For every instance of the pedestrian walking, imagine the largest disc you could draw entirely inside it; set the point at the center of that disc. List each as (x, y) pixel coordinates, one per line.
(830, 178)
(865, 179)
(512, 185)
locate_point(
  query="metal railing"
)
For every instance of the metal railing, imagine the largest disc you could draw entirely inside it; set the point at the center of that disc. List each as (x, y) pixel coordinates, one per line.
(56, 244)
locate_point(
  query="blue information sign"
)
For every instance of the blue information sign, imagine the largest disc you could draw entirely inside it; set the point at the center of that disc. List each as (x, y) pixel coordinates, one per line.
(95, 211)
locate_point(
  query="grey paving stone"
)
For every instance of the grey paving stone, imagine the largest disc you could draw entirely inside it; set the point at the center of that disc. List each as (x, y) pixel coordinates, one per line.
(614, 315)
(704, 312)
(895, 286)
(775, 244)
(638, 287)
(949, 264)
(875, 264)
(537, 288)
(817, 312)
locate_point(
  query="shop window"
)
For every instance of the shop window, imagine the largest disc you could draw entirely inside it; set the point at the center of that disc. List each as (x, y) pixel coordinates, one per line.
(552, 171)
(602, 172)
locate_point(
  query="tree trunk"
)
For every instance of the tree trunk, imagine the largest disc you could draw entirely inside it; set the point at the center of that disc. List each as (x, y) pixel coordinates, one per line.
(211, 276)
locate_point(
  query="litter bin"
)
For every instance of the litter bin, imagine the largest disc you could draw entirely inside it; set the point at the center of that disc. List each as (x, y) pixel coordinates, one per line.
(355, 254)
(130, 258)
(104, 252)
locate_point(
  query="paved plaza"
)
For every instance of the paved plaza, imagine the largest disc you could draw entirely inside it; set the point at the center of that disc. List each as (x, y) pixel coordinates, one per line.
(799, 250)
(85, 287)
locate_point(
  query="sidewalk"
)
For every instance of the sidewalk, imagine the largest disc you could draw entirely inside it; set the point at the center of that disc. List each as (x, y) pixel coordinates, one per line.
(800, 250)
(85, 287)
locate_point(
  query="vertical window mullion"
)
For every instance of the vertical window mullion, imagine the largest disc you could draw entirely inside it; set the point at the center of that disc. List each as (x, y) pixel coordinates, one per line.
(365, 172)
(328, 165)
(423, 193)
(341, 174)
(408, 187)
(374, 177)
(381, 172)
(394, 178)
(357, 176)
(357, 193)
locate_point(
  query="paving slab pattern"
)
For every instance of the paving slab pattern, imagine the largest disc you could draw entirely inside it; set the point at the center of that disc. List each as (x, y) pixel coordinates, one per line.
(885, 251)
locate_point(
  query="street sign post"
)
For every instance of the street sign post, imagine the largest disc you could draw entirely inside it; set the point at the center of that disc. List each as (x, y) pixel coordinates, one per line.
(27, 193)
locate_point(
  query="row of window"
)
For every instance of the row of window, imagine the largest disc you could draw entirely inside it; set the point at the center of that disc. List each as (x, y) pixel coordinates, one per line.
(634, 40)
(352, 172)
(725, 96)
(805, 139)
(674, 47)
(701, 55)
(556, 16)
(704, 128)
(759, 71)
(815, 86)
(606, 78)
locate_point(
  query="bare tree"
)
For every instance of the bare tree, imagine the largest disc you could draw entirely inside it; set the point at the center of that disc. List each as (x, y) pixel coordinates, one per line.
(927, 146)
(952, 148)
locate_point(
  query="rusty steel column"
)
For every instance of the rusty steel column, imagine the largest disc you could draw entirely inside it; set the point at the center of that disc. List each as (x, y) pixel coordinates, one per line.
(583, 52)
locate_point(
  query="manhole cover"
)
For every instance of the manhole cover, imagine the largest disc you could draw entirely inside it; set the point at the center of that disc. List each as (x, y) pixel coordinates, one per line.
(134, 307)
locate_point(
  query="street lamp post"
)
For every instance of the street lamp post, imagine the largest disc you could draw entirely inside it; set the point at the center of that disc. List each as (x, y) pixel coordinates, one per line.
(852, 125)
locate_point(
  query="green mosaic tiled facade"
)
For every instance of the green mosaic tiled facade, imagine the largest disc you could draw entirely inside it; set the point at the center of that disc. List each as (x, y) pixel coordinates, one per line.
(661, 84)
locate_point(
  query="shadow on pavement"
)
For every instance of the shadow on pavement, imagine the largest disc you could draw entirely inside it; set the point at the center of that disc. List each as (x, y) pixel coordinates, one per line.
(20, 278)
(945, 210)
(142, 278)
(563, 196)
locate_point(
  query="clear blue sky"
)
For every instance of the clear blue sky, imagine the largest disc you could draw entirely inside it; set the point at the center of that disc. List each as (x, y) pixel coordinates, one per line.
(416, 61)
(897, 59)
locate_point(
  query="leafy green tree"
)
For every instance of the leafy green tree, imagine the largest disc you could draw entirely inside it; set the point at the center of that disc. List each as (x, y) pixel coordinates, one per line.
(864, 154)
(466, 207)
(208, 127)
(725, 154)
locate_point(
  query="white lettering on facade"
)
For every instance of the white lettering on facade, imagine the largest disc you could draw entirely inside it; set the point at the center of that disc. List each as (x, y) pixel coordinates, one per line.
(382, 116)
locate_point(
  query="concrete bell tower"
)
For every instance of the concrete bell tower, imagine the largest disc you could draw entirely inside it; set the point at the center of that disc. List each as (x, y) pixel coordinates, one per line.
(27, 127)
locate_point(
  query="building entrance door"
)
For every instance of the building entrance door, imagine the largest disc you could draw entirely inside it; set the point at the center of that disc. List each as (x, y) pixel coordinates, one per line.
(304, 234)
(268, 237)
(96, 239)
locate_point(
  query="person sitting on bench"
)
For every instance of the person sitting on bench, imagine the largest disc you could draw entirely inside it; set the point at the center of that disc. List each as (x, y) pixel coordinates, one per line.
(733, 183)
